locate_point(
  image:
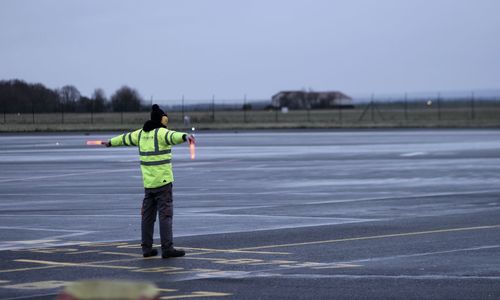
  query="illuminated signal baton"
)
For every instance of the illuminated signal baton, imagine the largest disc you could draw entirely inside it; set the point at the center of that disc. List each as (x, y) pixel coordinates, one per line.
(95, 143)
(192, 150)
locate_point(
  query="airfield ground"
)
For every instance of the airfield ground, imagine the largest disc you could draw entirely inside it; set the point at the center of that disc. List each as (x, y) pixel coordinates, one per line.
(347, 214)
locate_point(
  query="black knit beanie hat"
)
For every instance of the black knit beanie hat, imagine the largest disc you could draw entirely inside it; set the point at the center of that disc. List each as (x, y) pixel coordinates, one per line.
(157, 113)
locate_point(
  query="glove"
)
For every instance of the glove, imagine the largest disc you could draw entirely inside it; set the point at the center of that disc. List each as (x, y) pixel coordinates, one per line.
(190, 139)
(107, 144)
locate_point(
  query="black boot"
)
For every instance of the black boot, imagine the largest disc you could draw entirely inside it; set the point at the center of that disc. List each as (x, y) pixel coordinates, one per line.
(149, 253)
(172, 252)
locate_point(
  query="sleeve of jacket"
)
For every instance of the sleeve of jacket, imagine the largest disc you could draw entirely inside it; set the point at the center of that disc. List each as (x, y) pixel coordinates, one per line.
(171, 137)
(126, 139)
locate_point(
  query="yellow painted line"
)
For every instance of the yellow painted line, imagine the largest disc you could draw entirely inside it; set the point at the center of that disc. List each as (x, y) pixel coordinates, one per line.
(275, 262)
(130, 246)
(166, 290)
(197, 295)
(40, 285)
(210, 250)
(66, 264)
(33, 242)
(193, 271)
(123, 254)
(203, 258)
(26, 269)
(373, 237)
(103, 244)
(84, 252)
(54, 250)
(240, 261)
(158, 270)
(338, 266)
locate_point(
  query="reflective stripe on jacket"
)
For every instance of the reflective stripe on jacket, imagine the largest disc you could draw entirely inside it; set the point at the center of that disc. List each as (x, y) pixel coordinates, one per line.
(154, 151)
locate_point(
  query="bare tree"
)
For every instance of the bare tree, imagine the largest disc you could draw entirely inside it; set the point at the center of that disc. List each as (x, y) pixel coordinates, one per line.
(99, 100)
(69, 96)
(126, 99)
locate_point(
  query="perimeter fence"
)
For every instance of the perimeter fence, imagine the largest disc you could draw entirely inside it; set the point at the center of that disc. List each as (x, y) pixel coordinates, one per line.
(423, 112)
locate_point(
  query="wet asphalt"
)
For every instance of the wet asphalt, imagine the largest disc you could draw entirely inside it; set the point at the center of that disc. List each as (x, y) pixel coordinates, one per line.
(361, 214)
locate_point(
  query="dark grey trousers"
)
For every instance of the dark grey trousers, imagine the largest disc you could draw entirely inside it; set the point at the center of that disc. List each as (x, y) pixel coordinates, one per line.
(158, 200)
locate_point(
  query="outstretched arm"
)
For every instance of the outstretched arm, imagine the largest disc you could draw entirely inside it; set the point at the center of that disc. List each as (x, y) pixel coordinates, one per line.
(172, 137)
(126, 139)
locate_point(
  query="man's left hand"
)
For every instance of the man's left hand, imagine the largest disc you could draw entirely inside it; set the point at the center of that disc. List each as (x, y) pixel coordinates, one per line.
(190, 139)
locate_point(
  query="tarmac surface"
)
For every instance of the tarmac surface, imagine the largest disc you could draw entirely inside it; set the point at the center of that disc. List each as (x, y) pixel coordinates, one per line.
(378, 214)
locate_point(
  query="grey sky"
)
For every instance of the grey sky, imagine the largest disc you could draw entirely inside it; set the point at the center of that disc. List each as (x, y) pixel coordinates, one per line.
(228, 48)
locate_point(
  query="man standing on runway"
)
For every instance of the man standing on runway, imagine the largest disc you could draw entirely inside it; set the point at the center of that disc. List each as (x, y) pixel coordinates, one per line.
(155, 141)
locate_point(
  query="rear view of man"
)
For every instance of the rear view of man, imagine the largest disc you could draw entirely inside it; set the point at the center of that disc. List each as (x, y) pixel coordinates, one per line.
(155, 141)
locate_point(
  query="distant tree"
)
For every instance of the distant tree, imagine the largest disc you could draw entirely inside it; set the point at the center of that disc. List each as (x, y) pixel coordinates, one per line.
(69, 96)
(18, 96)
(84, 104)
(126, 99)
(99, 100)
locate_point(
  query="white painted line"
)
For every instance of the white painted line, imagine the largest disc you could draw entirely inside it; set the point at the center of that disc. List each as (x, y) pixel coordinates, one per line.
(423, 195)
(412, 277)
(64, 175)
(45, 242)
(411, 154)
(69, 216)
(373, 259)
(40, 229)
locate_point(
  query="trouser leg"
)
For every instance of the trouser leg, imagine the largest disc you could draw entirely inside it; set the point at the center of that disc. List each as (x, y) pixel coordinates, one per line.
(148, 211)
(165, 211)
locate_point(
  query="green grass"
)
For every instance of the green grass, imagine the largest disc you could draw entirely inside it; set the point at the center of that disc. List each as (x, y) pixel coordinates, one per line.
(363, 116)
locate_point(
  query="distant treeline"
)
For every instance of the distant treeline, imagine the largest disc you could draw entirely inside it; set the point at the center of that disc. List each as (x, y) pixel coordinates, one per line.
(17, 96)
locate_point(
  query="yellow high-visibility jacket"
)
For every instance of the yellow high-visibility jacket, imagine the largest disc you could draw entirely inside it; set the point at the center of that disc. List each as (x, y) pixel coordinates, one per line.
(154, 151)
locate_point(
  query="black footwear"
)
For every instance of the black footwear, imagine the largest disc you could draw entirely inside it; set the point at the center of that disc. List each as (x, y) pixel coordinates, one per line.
(172, 252)
(152, 252)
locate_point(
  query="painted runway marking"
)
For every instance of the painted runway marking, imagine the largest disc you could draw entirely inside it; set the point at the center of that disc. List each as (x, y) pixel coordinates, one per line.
(374, 237)
(68, 264)
(65, 175)
(40, 285)
(199, 294)
(413, 196)
(373, 259)
(211, 250)
(26, 269)
(413, 277)
(122, 253)
(36, 229)
(411, 154)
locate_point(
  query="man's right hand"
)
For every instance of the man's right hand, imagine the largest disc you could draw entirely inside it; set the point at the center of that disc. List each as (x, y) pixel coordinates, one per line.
(107, 144)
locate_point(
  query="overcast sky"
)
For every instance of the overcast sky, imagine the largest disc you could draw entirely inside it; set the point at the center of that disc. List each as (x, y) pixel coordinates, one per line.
(228, 48)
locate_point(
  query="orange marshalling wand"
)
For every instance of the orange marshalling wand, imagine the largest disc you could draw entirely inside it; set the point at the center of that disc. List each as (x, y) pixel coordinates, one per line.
(192, 150)
(95, 143)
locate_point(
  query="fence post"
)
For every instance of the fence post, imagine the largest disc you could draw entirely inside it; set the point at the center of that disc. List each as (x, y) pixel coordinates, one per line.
(406, 108)
(182, 107)
(439, 106)
(472, 112)
(4, 115)
(371, 109)
(213, 108)
(92, 112)
(33, 111)
(245, 108)
(339, 107)
(62, 112)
